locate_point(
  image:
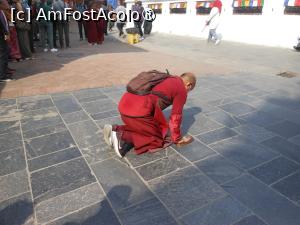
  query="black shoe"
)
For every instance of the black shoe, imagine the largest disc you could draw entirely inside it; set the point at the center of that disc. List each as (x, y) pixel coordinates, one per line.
(297, 48)
(121, 148)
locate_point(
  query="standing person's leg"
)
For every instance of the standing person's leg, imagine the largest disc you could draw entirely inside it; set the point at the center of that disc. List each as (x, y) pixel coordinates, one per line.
(3, 57)
(49, 28)
(30, 36)
(140, 29)
(60, 33)
(66, 32)
(43, 35)
(84, 23)
(55, 28)
(210, 35)
(120, 28)
(80, 24)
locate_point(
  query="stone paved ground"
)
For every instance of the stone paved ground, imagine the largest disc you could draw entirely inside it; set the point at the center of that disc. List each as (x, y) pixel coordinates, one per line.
(242, 169)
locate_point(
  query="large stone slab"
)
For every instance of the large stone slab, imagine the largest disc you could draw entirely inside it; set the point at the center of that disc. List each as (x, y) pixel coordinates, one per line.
(12, 161)
(225, 118)
(285, 129)
(99, 106)
(219, 169)
(162, 166)
(13, 184)
(48, 143)
(44, 131)
(17, 210)
(243, 152)
(269, 205)
(186, 190)
(216, 135)
(260, 118)
(237, 108)
(284, 147)
(146, 213)
(75, 117)
(9, 126)
(99, 213)
(103, 115)
(59, 179)
(250, 220)
(35, 104)
(7, 102)
(10, 141)
(89, 95)
(224, 211)
(274, 170)
(290, 187)
(97, 153)
(53, 158)
(67, 104)
(69, 202)
(121, 184)
(86, 133)
(195, 151)
(254, 132)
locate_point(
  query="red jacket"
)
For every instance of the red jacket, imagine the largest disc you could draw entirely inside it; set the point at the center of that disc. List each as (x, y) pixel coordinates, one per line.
(139, 106)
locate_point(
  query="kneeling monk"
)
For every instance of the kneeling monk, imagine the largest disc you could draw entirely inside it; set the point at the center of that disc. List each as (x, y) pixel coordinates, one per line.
(145, 126)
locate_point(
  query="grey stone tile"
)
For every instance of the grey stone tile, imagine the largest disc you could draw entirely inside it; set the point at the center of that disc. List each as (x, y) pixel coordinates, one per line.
(219, 169)
(263, 201)
(260, 118)
(285, 129)
(250, 220)
(225, 119)
(200, 124)
(216, 135)
(35, 104)
(12, 161)
(59, 179)
(111, 120)
(224, 211)
(195, 151)
(207, 95)
(243, 152)
(147, 157)
(284, 147)
(162, 166)
(99, 213)
(121, 184)
(254, 132)
(245, 98)
(290, 187)
(48, 143)
(99, 106)
(75, 117)
(274, 170)
(221, 101)
(18, 210)
(7, 102)
(8, 112)
(88, 95)
(205, 108)
(86, 133)
(237, 108)
(97, 153)
(9, 126)
(146, 213)
(53, 158)
(68, 202)
(10, 141)
(104, 115)
(185, 190)
(44, 131)
(32, 120)
(32, 98)
(13, 184)
(295, 139)
(243, 88)
(67, 105)
(259, 93)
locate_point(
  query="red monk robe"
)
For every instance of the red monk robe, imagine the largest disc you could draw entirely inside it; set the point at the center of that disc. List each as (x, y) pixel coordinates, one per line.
(145, 125)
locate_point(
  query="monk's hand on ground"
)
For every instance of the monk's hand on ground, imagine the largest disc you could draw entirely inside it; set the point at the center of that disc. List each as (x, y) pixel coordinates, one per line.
(184, 141)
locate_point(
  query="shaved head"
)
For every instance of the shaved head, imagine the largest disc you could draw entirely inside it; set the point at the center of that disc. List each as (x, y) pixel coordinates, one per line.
(189, 78)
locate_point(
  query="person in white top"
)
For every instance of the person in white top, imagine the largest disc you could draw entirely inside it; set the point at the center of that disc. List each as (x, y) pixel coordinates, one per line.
(213, 21)
(120, 24)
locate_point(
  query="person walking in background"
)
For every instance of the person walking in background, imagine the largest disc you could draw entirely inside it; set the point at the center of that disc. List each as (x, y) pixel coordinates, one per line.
(62, 24)
(213, 21)
(120, 24)
(46, 27)
(138, 7)
(81, 7)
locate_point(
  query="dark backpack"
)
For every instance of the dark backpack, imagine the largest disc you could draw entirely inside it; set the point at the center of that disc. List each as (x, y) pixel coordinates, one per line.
(144, 82)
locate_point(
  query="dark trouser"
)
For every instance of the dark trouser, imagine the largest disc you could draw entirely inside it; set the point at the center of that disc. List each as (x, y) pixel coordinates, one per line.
(63, 30)
(120, 28)
(30, 35)
(24, 43)
(46, 31)
(80, 25)
(55, 27)
(3, 56)
(138, 25)
(147, 27)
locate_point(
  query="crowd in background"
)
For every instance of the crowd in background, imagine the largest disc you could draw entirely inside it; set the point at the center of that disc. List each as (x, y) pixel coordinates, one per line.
(17, 38)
